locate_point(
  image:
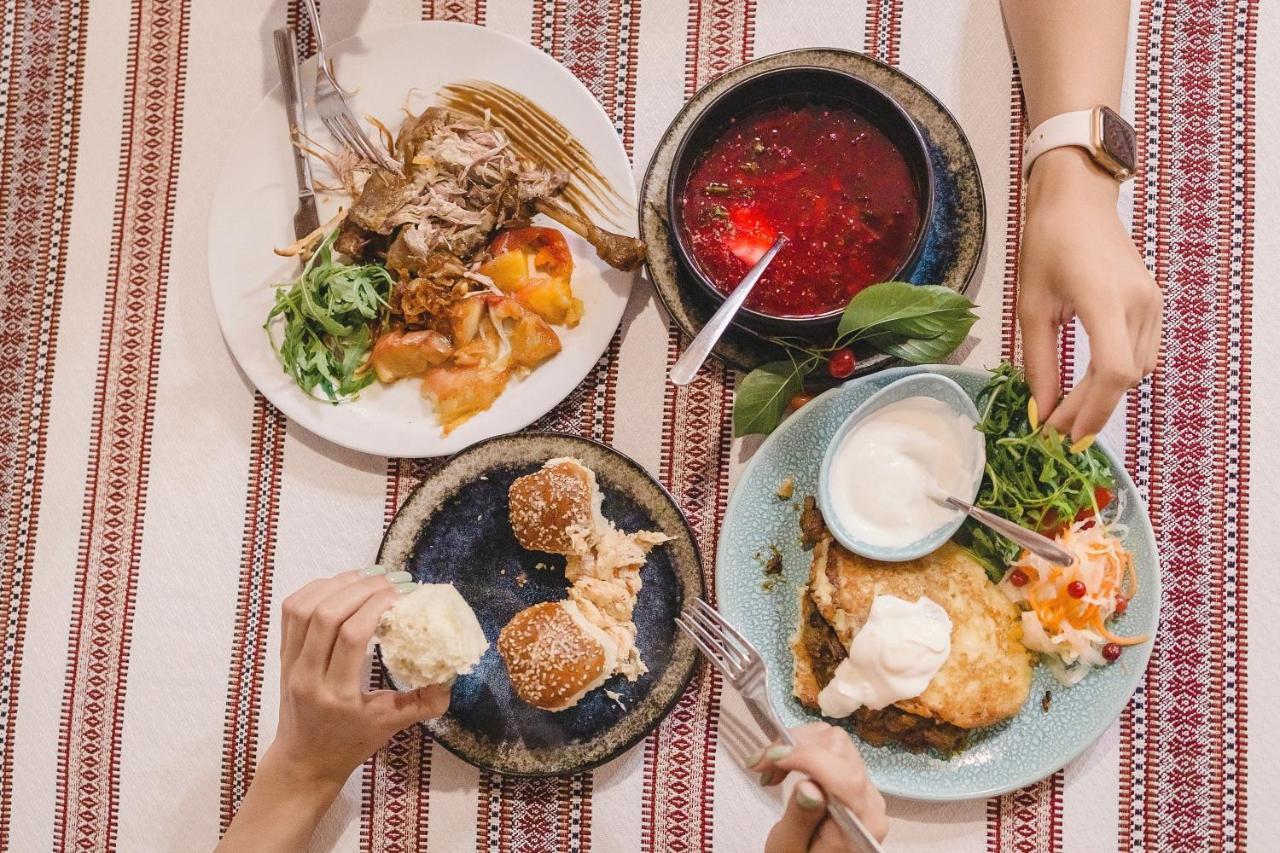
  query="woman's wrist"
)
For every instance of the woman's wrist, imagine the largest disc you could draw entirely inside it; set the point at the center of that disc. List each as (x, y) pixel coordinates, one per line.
(281, 808)
(1070, 173)
(282, 767)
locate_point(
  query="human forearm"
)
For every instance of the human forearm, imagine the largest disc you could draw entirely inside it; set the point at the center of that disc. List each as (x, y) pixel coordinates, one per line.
(280, 810)
(1070, 53)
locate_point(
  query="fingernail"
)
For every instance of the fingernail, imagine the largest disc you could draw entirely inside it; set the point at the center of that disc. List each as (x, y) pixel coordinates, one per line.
(405, 588)
(777, 753)
(766, 778)
(373, 571)
(808, 796)
(753, 759)
(1083, 444)
(399, 577)
(1033, 414)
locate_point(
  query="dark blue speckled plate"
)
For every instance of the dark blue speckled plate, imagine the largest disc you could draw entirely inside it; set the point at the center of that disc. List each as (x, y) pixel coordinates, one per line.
(454, 529)
(953, 244)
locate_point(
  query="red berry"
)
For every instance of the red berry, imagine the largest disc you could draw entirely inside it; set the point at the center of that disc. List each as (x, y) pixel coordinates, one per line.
(1111, 651)
(798, 400)
(1122, 604)
(1018, 577)
(840, 363)
(1076, 589)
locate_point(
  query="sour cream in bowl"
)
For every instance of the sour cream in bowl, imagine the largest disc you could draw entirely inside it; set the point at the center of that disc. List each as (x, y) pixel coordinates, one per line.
(891, 463)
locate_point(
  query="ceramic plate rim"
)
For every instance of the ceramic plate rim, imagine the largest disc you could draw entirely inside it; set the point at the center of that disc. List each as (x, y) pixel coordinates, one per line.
(1091, 732)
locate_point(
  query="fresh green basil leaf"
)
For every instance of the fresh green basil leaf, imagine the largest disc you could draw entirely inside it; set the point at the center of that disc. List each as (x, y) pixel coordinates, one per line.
(762, 397)
(917, 350)
(902, 308)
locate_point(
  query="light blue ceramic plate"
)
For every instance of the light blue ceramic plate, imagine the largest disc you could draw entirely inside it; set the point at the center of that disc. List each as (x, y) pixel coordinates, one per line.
(1023, 750)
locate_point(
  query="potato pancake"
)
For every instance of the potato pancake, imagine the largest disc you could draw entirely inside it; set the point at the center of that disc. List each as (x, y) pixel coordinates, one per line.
(987, 677)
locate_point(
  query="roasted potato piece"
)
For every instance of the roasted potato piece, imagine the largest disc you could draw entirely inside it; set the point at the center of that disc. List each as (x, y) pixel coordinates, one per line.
(460, 392)
(464, 319)
(398, 354)
(509, 270)
(552, 299)
(536, 266)
(532, 341)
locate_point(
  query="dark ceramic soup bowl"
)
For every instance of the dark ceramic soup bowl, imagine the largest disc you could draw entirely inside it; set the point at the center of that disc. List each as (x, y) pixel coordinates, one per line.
(797, 86)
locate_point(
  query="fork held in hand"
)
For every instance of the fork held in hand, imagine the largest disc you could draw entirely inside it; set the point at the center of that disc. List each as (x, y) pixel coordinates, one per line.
(333, 108)
(740, 663)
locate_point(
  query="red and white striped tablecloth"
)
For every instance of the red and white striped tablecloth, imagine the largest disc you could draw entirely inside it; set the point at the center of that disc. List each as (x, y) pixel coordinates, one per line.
(156, 510)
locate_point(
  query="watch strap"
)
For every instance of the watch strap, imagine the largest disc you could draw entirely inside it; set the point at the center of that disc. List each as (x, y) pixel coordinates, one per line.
(1060, 131)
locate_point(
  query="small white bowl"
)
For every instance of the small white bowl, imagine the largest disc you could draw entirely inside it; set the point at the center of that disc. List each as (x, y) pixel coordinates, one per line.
(919, 385)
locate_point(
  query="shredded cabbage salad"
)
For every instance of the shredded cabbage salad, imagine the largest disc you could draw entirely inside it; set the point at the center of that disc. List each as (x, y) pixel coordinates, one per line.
(1065, 609)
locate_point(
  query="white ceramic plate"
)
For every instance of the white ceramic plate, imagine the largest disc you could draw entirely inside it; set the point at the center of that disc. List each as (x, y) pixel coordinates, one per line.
(255, 199)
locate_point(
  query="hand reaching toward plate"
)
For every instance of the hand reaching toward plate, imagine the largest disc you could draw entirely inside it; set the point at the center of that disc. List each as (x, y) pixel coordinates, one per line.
(831, 766)
(1077, 259)
(328, 723)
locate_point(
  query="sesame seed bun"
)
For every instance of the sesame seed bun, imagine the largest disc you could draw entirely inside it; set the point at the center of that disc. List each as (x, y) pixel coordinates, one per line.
(555, 656)
(556, 509)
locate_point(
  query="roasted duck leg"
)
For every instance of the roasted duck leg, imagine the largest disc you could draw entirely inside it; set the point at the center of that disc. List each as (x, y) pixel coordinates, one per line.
(616, 250)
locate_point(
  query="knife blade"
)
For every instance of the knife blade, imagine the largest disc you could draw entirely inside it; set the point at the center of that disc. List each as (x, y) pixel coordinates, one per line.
(306, 219)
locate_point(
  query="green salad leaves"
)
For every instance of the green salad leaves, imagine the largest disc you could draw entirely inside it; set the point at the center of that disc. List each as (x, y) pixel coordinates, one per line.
(917, 323)
(1032, 478)
(323, 323)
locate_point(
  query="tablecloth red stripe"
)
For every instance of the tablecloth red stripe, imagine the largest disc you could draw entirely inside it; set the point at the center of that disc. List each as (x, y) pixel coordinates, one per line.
(1142, 406)
(597, 41)
(295, 15)
(253, 607)
(466, 11)
(396, 795)
(1185, 731)
(679, 770)
(44, 40)
(396, 792)
(257, 567)
(1029, 818)
(120, 440)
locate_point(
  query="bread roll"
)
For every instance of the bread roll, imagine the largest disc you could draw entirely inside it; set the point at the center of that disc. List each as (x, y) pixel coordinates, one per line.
(558, 652)
(554, 655)
(557, 509)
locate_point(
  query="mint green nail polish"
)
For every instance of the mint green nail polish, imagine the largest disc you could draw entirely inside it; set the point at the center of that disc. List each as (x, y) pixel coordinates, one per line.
(777, 753)
(373, 571)
(405, 588)
(399, 577)
(806, 800)
(753, 759)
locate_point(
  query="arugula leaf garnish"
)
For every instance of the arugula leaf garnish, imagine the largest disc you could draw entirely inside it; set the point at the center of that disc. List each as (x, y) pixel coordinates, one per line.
(1031, 478)
(323, 322)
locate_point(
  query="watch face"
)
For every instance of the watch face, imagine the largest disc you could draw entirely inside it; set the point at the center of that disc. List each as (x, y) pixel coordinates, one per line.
(1118, 140)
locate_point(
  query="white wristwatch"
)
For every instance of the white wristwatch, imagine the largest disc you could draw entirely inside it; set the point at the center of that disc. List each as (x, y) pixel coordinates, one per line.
(1101, 131)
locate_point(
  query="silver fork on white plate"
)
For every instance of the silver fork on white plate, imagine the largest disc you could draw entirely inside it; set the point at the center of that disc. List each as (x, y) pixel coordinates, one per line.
(335, 111)
(741, 664)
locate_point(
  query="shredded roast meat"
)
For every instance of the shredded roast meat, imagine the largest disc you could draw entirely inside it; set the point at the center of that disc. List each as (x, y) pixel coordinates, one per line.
(461, 181)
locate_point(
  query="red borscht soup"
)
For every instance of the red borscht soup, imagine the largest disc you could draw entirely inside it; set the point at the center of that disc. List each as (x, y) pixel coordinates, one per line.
(823, 175)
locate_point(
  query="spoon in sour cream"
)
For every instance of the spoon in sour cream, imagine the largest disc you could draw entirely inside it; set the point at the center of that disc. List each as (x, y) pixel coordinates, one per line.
(1036, 543)
(909, 440)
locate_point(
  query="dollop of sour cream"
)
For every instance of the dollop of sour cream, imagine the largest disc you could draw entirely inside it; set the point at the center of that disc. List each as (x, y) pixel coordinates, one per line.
(894, 657)
(890, 471)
